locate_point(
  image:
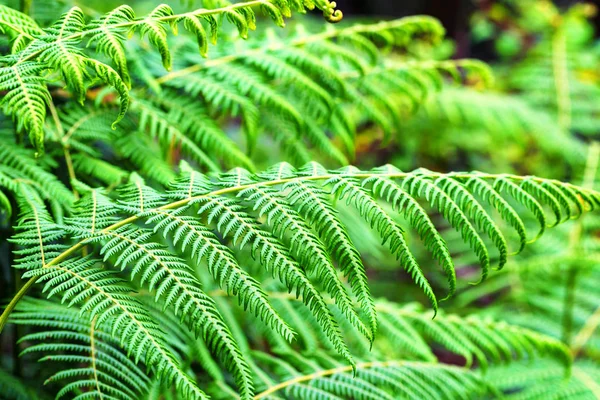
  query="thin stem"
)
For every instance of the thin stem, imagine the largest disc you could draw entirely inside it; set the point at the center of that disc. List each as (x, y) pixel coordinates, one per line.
(561, 78)
(13, 303)
(574, 239)
(302, 41)
(586, 332)
(587, 381)
(328, 372)
(66, 152)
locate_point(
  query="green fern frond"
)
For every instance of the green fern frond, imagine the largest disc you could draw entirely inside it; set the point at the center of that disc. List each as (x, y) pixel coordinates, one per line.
(410, 332)
(472, 337)
(305, 193)
(545, 380)
(165, 281)
(196, 121)
(20, 168)
(104, 297)
(19, 27)
(457, 114)
(26, 98)
(57, 48)
(327, 379)
(163, 127)
(65, 337)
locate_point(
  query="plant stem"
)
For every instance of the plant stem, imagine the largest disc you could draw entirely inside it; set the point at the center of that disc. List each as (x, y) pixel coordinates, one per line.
(65, 146)
(25, 6)
(586, 332)
(574, 239)
(328, 372)
(13, 303)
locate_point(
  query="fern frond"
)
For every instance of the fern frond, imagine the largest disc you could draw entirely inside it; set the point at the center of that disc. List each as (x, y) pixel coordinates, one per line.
(104, 297)
(111, 40)
(26, 98)
(307, 248)
(159, 271)
(147, 155)
(232, 221)
(280, 79)
(65, 337)
(545, 380)
(221, 262)
(410, 332)
(282, 195)
(472, 337)
(20, 168)
(110, 303)
(19, 27)
(373, 380)
(196, 122)
(163, 127)
(57, 48)
(458, 114)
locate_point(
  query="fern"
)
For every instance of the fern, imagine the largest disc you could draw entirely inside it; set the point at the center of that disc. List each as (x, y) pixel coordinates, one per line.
(299, 376)
(56, 48)
(81, 343)
(167, 277)
(124, 244)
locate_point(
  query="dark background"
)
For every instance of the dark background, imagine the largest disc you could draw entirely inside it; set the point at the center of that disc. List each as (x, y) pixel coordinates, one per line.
(454, 14)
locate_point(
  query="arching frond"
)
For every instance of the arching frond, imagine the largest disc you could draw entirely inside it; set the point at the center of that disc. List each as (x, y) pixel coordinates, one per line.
(19, 27)
(97, 361)
(104, 298)
(197, 204)
(58, 49)
(26, 98)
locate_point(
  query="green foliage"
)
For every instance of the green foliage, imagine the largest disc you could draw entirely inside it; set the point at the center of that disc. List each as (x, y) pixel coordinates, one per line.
(230, 206)
(173, 269)
(38, 51)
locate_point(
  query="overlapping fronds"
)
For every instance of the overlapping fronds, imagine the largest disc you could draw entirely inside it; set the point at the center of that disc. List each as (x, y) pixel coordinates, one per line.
(276, 86)
(409, 332)
(19, 168)
(98, 366)
(19, 27)
(105, 298)
(546, 380)
(483, 340)
(322, 377)
(538, 303)
(283, 89)
(58, 48)
(168, 278)
(269, 215)
(26, 98)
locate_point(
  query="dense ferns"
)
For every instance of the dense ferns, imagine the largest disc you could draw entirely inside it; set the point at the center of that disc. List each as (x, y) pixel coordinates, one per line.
(167, 277)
